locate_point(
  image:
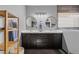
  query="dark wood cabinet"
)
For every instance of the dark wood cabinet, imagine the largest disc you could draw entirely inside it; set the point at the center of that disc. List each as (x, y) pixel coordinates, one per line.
(42, 40)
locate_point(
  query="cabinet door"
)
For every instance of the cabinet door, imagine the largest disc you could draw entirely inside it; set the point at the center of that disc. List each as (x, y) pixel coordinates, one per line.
(42, 41)
(55, 41)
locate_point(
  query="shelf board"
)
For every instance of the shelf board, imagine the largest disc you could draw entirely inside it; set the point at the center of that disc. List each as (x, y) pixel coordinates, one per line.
(11, 15)
(2, 13)
(15, 29)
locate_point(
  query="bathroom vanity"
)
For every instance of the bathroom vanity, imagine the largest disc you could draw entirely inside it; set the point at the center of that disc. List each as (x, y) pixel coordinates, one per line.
(42, 40)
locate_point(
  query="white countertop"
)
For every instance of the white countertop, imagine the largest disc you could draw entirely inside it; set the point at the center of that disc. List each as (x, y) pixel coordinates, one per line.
(46, 31)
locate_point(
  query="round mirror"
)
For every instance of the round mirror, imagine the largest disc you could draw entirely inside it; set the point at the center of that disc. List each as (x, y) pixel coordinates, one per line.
(31, 22)
(50, 22)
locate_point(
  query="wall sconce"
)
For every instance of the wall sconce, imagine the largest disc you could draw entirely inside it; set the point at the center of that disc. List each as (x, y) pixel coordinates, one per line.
(40, 14)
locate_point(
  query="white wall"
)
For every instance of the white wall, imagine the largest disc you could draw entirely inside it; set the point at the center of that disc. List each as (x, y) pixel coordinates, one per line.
(49, 10)
(17, 10)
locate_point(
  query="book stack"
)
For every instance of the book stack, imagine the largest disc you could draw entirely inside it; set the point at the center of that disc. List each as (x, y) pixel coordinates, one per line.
(12, 23)
(13, 35)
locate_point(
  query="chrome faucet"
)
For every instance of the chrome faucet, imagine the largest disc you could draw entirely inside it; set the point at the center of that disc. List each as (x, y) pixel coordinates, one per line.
(40, 26)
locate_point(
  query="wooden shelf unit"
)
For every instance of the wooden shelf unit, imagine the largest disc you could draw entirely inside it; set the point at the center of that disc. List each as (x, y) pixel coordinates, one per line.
(8, 44)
